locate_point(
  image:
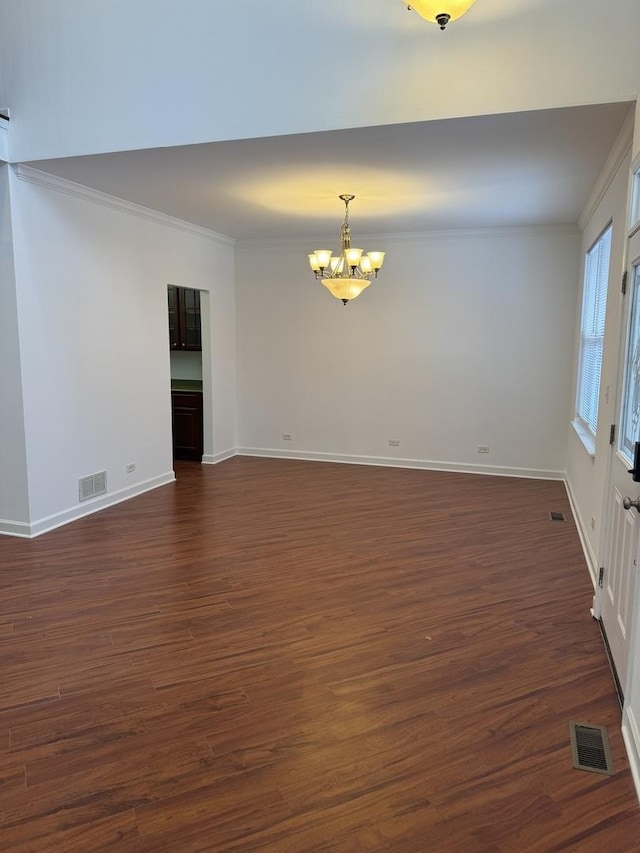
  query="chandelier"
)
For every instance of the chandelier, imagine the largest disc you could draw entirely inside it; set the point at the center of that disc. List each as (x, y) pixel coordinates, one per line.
(345, 275)
(440, 11)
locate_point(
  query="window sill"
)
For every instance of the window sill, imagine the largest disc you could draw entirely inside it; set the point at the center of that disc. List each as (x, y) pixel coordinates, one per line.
(585, 437)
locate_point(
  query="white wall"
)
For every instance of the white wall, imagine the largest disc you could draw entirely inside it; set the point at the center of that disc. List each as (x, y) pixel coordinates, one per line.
(14, 504)
(84, 77)
(464, 340)
(587, 474)
(92, 312)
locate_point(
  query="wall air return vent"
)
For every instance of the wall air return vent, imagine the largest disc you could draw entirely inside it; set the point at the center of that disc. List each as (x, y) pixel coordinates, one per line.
(92, 486)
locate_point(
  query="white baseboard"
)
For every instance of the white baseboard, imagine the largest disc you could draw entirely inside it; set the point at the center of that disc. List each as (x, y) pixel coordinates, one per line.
(394, 462)
(58, 519)
(631, 735)
(213, 459)
(43, 525)
(14, 528)
(590, 557)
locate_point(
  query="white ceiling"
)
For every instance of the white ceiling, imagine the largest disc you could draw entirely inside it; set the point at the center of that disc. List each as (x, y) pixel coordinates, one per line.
(504, 119)
(527, 168)
(111, 75)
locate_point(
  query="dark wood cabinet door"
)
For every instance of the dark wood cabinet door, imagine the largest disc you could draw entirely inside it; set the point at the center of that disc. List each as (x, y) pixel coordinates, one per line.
(174, 322)
(184, 318)
(190, 319)
(186, 412)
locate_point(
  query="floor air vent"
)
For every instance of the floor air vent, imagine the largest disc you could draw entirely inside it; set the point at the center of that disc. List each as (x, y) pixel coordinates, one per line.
(590, 748)
(556, 516)
(92, 486)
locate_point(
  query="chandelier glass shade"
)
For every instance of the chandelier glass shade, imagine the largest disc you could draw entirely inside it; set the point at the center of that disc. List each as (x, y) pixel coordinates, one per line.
(440, 11)
(345, 275)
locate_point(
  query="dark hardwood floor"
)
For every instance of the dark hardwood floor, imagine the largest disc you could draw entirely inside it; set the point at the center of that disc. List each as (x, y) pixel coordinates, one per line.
(290, 656)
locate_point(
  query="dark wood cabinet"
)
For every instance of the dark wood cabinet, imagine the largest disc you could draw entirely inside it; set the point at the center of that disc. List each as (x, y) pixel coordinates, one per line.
(184, 318)
(186, 418)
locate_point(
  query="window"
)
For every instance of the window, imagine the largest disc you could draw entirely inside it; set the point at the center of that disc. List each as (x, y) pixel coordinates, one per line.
(594, 305)
(630, 432)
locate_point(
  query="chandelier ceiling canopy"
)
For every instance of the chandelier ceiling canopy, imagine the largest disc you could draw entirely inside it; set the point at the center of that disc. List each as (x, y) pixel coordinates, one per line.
(440, 11)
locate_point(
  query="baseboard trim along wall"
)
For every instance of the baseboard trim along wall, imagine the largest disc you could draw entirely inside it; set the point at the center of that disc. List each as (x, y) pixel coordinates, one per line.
(590, 557)
(14, 528)
(215, 458)
(44, 525)
(394, 462)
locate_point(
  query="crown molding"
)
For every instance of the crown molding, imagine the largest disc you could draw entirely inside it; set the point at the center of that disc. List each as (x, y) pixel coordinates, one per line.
(62, 185)
(621, 148)
(411, 236)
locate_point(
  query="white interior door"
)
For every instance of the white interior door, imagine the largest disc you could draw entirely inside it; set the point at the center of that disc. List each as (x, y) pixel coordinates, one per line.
(620, 570)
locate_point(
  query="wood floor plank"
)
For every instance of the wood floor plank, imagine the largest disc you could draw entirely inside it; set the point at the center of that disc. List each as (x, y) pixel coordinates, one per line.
(282, 656)
(93, 835)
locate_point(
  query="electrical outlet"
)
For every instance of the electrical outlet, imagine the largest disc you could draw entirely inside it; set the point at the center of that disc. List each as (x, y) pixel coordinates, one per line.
(286, 436)
(131, 467)
(483, 448)
(394, 442)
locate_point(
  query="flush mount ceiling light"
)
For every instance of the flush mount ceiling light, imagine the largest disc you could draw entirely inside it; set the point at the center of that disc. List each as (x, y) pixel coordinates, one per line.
(345, 275)
(440, 11)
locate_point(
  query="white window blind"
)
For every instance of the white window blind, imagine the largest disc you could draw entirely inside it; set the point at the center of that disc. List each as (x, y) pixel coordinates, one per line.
(594, 306)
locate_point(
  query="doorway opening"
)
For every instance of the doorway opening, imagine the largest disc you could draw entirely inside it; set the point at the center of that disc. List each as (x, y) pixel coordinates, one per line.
(185, 354)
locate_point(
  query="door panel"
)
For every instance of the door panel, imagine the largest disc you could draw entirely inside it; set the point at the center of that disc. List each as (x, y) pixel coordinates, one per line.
(621, 569)
(619, 573)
